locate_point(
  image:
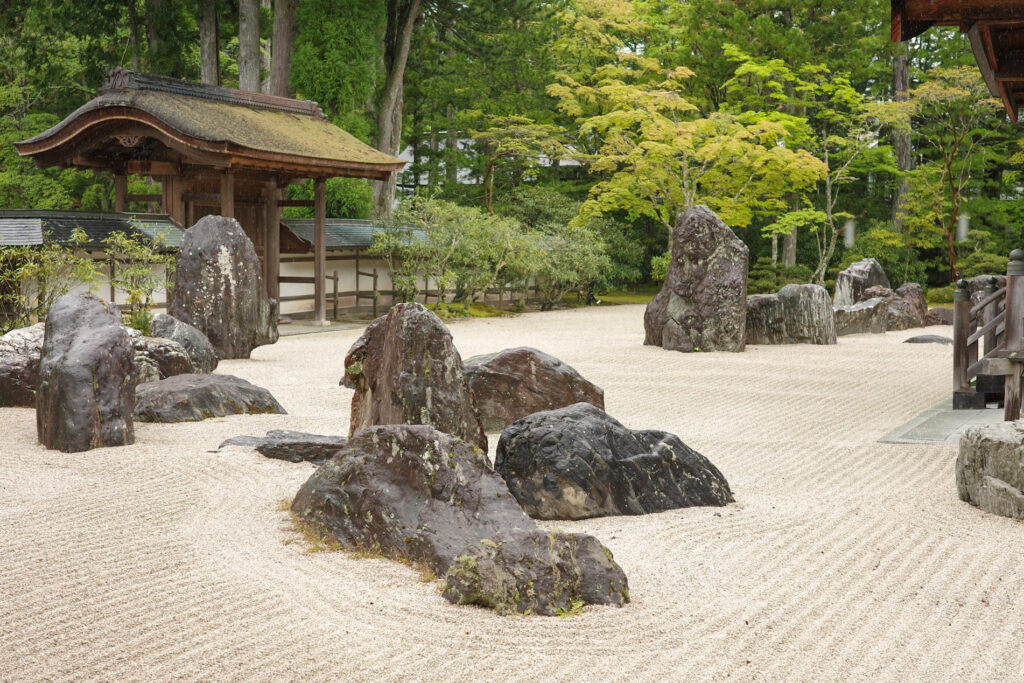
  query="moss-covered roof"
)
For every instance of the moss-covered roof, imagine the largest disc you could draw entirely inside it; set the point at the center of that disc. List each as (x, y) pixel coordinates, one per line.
(229, 121)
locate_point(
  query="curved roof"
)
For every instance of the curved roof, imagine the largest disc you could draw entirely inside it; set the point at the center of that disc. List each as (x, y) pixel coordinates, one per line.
(244, 129)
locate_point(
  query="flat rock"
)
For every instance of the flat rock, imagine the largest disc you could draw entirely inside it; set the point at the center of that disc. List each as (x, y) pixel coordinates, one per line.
(579, 462)
(412, 493)
(862, 317)
(796, 314)
(189, 398)
(199, 349)
(405, 369)
(702, 306)
(990, 468)
(20, 350)
(851, 282)
(283, 444)
(514, 383)
(218, 288)
(907, 307)
(929, 339)
(86, 393)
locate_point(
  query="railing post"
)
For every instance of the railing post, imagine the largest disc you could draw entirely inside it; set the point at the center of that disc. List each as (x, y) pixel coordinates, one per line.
(991, 311)
(335, 278)
(961, 324)
(1014, 336)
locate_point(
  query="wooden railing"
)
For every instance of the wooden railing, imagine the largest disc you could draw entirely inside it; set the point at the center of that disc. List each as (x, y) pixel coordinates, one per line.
(994, 325)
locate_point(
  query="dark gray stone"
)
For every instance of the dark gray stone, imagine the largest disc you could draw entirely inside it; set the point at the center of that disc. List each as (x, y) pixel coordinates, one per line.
(156, 355)
(938, 315)
(19, 365)
(851, 283)
(796, 314)
(579, 462)
(188, 398)
(514, 383)
(86, 392)
(976, 286)
(200, 351)
(283, 444)
(907, 307)
(862, 317)
(411, 493)
(929, 339)
(702, 306)
(406, 370)
(990, 468)
(218, 288)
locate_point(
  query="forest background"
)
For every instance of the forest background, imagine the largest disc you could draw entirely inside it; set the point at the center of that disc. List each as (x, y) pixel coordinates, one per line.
(572, 132)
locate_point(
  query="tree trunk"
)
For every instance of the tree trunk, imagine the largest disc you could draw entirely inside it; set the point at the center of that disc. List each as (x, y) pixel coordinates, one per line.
(401, 19)
(789, 248)
(133, 34)
(249, 45)
(209, 43)
(154, 11)
(901, 140)
(451, 148)
(284, 39)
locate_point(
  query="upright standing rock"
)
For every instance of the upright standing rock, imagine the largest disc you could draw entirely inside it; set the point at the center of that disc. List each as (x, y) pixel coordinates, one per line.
(797, 314)
(86, 394)
(703, 305)
(19, 365)
(218, 288)
(406, 370)
(851, 283)
(990, 468)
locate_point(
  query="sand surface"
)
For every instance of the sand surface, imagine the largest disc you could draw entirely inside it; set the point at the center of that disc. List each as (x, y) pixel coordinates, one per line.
(842, 558)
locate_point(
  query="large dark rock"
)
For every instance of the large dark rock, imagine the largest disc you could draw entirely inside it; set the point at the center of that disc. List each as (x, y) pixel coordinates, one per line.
(188, 398)
(283, 444)
(514, 383)
(86, 393)
(871, 315)
(702, 306)
(579, 462)
(165, 356)
(851, 283)
(406, 370)
(938, 315)
(796, 314)
(19, 365)
(977, 284)
(412, 493)
(218, 288)
(990, 468)
(200, 350)
(907, 307)
(929, 339)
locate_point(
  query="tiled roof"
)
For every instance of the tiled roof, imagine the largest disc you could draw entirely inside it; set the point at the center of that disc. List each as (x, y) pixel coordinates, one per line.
(31, 227)
(341, 233)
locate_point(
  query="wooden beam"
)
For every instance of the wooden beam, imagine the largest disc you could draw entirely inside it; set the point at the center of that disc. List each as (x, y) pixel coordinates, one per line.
(296, 202)
(227, 194)
(272, 241)
(319, 251)
(152, 168)
(120, 193)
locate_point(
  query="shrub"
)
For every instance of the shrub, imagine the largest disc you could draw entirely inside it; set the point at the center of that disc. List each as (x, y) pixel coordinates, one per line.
(766, 277)
(137, 259)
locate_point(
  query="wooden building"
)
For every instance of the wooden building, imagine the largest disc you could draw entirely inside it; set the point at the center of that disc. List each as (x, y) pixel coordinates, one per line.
(995, 29)
(213, 150)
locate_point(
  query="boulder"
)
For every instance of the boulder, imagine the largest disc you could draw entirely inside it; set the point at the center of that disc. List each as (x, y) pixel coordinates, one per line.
(990, 468)
(871, 315)
(218, 288)
(411, 493)
(514, 383)
(929, 339)
(938, 315)
(200, 350)
(851, 283)
(283, 444)
(168, 358)
(406, 370)
(702, 306)
(86, 393)
(19, 365)
(977, 284)
(796, 314)
(579, 462)
(188, 398)
(907, 307)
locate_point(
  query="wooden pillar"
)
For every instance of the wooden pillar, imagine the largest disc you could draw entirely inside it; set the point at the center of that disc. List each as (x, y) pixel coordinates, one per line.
(227, 194)
(319, 251)
(272, 241)
(175, 201)
(961, 323)
(1014, 336)
(120, 193)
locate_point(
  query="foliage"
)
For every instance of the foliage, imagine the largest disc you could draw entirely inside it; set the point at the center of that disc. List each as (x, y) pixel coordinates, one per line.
(895, 251)
(659, 266)
(33, 278)
(573, 258)
(766, 277)
(140, 268)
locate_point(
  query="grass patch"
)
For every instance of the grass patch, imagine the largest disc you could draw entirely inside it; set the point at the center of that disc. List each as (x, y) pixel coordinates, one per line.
(475, 309)
(636, 295)
(312, 538)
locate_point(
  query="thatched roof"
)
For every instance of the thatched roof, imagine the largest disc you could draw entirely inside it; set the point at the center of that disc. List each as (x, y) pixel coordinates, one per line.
(247, 130)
